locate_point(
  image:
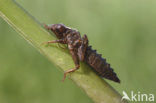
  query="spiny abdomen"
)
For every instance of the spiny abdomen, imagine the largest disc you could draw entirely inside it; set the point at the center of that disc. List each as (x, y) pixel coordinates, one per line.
(100, 65)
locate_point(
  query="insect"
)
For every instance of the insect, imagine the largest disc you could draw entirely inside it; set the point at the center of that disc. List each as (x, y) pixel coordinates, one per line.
(81, 51)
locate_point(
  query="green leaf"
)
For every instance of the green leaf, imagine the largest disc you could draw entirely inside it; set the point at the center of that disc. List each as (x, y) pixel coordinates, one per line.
(94, 86)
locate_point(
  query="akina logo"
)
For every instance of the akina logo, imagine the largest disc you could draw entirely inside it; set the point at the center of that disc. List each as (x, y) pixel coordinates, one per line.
(138, 96)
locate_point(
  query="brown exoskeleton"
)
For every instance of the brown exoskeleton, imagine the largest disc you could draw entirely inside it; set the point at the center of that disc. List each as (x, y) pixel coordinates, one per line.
(80, 51)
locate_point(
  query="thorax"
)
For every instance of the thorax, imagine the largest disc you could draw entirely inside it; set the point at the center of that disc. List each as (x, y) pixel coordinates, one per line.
(73, 38)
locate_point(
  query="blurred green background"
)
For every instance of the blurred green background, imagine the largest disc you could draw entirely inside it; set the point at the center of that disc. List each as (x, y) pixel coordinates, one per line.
(123, 31)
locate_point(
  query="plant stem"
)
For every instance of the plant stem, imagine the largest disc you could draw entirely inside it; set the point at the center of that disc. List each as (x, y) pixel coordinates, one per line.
(95, 87)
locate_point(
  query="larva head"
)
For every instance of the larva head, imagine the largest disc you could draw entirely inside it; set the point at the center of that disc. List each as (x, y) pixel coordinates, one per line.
(59, 30)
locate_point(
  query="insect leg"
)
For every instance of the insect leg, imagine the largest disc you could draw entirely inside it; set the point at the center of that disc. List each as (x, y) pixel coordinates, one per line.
(62, 41)
(82, 48)
(61, 46)
(76, 61)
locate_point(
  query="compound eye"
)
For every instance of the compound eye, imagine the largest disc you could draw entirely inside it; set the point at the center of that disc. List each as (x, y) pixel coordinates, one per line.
(57, 31)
